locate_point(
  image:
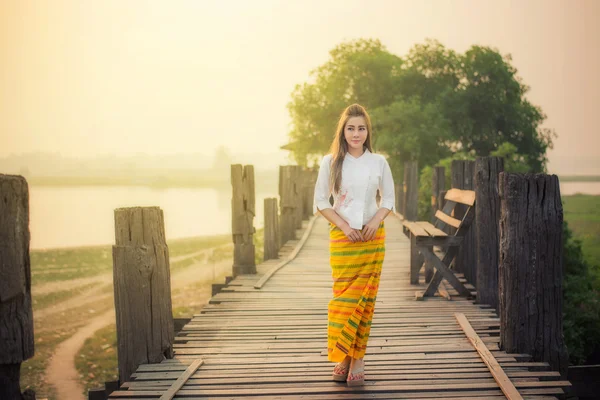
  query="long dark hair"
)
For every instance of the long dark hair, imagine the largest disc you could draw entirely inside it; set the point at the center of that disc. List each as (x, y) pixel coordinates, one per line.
(339, 146)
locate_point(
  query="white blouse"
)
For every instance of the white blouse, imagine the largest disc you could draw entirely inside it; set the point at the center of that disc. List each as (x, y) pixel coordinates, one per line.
(361, 177)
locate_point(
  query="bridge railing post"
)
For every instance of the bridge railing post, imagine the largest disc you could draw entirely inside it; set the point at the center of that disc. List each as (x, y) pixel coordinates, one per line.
(16, 313)
(411, 190)
(272, 241)
(438, 184)
(463, 172)
(487, 217)
(243, 210)
(309, 180)
(142, 287)
(298, 185)
(288, 203)
(530, 270)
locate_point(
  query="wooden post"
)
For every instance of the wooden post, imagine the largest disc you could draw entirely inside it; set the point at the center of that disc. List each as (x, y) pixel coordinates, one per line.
(411, 188)
(400, 198)
(310, 179)
(530, 271)
(243, 211)
(463, 172)
(438, 185)
(288, 203)
(142, 285)
(16, 313)
(441, 200)
(298, 184)
(272, 235)
(487, 211)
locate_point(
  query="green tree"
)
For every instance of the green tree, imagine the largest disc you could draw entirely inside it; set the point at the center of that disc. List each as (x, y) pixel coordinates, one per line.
(360, 71)
(425, 106)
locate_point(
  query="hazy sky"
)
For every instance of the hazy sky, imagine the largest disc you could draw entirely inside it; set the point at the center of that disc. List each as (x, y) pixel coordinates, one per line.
(87, 77)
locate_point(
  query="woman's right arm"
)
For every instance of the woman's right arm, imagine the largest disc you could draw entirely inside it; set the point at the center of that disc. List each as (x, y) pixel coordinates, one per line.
(321, 203)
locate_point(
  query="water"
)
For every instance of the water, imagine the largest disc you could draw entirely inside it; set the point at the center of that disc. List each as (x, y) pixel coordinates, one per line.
(81, 216)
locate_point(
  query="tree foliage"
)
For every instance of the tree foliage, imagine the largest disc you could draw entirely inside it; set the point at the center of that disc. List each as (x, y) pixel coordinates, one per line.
(425, 106)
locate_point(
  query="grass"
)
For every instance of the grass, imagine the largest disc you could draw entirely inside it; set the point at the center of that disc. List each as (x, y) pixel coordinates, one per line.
(96, 362)
(97, 359)
(54, 265)
(42, 301)
(63, 265)
(582, 213)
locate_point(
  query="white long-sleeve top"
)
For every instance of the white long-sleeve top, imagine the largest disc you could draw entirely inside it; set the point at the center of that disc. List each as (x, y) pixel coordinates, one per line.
(361, 177)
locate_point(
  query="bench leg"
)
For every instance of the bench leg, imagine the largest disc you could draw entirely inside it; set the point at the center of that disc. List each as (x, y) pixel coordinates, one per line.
(416, 261)
(428, 269)
(442, 271)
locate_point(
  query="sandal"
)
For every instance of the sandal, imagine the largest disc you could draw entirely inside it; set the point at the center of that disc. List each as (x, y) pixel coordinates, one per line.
(357, 377)
(340, 371)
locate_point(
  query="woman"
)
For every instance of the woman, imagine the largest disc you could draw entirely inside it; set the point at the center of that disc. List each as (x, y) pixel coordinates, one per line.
(353, 174)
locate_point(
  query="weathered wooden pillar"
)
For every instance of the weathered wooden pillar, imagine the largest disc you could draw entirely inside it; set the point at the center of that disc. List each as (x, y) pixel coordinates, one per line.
(16, 313)
(309, 187)
(288, 203)
(438, 184)
(463, 172)
(243, 210)
(440, 203)
(487, 217)
(530, 271)
(298, 184)
(411, 190)
(142, 285)
(400, 198)
(272, 234)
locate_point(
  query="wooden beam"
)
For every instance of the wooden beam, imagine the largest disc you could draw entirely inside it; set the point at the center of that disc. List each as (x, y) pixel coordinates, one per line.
(443, 271)
(174, 388)
(447, 219)
(461, 196)
(498, 373)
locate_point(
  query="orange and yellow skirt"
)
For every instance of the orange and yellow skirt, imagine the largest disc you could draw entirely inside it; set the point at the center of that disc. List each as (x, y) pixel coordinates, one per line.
(355, 269)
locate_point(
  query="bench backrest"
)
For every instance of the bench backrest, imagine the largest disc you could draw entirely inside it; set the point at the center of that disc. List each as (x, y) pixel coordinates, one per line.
(445, 216)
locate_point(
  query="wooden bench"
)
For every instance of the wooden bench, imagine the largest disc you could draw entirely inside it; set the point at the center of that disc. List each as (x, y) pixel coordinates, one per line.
(425, 235)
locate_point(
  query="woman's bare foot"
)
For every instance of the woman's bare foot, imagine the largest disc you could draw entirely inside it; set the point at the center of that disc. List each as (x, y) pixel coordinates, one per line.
(356, 376)
(341, 368)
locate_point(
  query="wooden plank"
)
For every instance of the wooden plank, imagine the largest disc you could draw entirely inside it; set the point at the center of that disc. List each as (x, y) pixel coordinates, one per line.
(447, 219)
(498, 373)
(431, 230)
(415, 228)
(270, 343)
(293, 255)
(174, 388)
(461, 196)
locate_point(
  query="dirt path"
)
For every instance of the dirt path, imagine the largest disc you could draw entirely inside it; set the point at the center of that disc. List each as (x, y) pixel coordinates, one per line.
(61, 370)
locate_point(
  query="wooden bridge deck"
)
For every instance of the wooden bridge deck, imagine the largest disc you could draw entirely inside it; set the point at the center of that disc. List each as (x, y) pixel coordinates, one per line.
(270, 343)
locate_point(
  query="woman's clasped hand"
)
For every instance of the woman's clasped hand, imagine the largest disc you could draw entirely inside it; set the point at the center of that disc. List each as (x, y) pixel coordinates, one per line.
(367, 233)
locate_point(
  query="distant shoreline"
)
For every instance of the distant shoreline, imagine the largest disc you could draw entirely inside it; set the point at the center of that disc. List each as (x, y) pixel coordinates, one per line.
(199, 181)
(579, 178)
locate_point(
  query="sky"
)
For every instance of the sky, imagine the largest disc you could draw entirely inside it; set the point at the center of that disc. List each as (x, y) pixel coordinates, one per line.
(87, 78)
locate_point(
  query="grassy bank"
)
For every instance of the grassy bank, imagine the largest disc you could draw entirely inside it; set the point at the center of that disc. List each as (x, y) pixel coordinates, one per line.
(72, 286)
(582, 213)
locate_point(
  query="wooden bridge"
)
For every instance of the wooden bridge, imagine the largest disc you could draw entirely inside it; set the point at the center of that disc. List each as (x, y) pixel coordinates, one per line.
(270, 343)
(263, 334)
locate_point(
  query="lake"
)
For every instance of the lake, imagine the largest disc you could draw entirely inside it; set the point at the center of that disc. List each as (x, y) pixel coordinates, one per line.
(81, 216)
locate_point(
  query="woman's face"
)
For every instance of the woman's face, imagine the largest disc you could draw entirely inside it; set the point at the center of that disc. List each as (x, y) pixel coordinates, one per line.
(355, 132)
